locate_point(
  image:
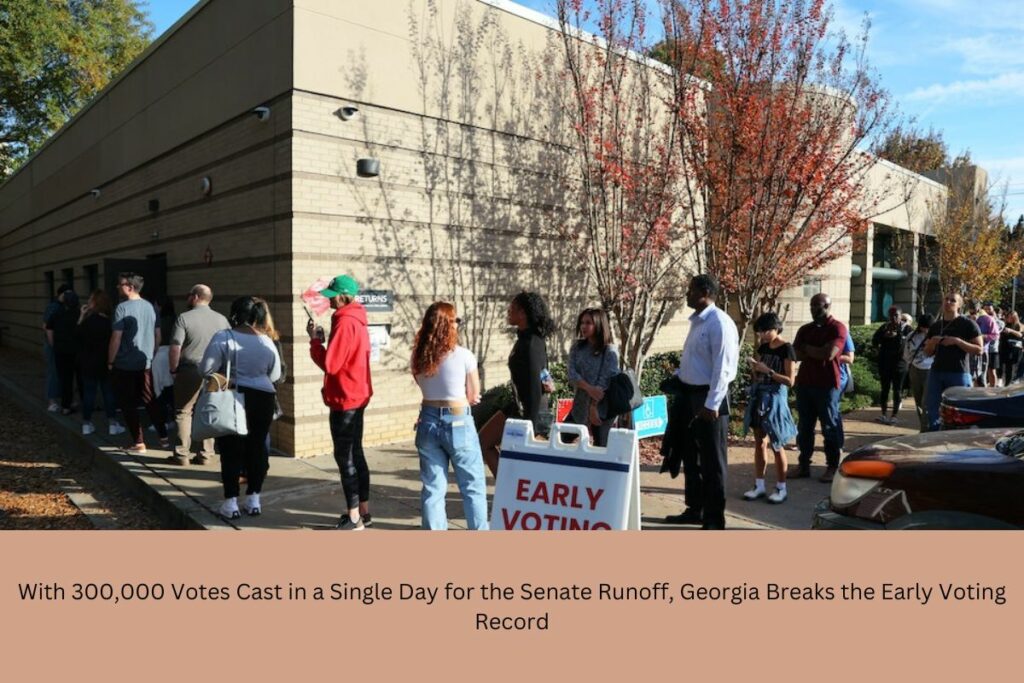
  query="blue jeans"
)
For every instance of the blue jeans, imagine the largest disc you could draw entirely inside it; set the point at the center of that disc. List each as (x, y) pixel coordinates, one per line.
(90, 386)
(814, 404)
(442, 437)
(937, 383)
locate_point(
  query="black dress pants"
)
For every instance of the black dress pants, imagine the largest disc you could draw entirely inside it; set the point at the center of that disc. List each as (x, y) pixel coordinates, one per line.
(705, 447)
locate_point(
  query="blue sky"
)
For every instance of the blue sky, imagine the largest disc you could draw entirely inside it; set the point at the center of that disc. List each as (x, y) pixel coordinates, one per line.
(954, 65)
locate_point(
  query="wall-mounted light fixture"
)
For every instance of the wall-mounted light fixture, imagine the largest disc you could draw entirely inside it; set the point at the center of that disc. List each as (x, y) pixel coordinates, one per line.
(348, 112)
(262, 113)
(95, 192)
(368, 168)
(205, 185)
(208, 256)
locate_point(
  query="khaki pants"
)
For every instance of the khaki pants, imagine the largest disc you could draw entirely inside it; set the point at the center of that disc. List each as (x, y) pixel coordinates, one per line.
(187, 383)
(918, 385)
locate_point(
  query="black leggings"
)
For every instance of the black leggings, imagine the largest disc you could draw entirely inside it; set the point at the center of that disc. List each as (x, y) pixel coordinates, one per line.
(249, 451)
(347, 433)
(892, 377)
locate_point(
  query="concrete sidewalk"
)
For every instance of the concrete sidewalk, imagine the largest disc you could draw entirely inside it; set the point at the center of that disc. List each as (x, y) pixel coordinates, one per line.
(306, 493)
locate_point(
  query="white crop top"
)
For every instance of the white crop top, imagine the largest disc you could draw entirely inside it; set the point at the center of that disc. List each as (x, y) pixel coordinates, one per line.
(449, 384)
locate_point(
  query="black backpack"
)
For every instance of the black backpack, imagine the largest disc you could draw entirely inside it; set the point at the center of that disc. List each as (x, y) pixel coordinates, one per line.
(623, 394)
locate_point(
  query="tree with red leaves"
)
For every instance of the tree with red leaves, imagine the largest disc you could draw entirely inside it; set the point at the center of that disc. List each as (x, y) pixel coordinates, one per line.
(773, 139)
(624, 185)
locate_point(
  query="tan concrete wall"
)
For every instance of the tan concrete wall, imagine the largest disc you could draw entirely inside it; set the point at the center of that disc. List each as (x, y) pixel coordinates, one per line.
(181, 113)
(468, 194)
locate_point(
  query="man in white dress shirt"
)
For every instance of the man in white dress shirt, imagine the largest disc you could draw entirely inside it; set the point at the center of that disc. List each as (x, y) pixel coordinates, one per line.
(699, 420)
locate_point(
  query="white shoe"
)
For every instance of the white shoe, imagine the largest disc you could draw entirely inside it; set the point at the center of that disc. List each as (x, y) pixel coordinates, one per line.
(115, 429)
(88, 428)
(252, 504)
(892, 421)
(229, 509)
(53, 408)
(754, 494)
(779, 496)
(883, 419)
(151, 429)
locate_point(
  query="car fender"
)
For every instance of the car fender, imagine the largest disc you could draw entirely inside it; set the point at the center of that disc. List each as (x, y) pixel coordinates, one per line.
(947, 519)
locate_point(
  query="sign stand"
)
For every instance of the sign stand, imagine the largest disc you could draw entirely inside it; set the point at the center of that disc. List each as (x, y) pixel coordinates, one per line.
(553, 485)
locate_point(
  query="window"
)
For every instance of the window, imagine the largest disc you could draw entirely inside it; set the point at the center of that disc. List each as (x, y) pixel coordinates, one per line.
(50, 288)
(67, 277)
(812, 286)
(92, 277)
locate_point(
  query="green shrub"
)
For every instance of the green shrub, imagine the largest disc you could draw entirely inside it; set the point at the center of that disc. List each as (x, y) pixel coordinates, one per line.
(491, 401)
(851, 402)
(861, 335)
(865, 380)
(660, 366)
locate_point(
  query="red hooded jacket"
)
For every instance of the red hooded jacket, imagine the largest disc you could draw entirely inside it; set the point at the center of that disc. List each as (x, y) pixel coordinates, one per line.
(346, 360)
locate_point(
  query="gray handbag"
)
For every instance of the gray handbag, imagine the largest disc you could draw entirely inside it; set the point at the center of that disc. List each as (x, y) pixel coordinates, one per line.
(220, 410)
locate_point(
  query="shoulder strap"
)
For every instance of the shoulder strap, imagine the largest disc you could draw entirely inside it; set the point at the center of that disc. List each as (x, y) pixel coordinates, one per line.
(231, 351)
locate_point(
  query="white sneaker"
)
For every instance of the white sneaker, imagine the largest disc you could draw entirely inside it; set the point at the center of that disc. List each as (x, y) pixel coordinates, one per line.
(252, 504)
(754, 494)
(779, 496)
(115, 429)
(53, 408)
(892, 420)
(883, 419)
(229, 509)
(88, 428)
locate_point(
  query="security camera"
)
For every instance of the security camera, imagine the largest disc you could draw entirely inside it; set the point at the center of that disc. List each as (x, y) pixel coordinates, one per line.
(347, 112)
(262, 113)
(95, 192)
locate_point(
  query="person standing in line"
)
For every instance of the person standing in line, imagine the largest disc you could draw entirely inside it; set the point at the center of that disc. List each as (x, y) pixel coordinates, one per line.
(952, 340)
(846, 360)
(919, 364)
(1011, 343)
(254, 368)
(818, 345)
(448, 378)
(992, 345)
(93, 340)
(60, 333)
(268, 328)
(978, 364)
(774, 370)
(528, 313)
(133, 343)
(345, 360)
(890, 339)
(163, 380)
(699, 421)
(52, 378)
(192, 332)
(593, 361)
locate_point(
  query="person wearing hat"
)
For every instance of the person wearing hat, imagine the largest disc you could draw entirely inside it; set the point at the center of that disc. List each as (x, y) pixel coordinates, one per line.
(919, 363)
(347, 389)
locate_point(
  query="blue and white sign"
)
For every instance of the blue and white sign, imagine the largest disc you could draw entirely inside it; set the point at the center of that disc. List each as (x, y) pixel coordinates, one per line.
(651, 417)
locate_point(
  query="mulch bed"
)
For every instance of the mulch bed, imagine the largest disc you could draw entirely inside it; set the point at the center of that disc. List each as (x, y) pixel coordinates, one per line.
(32, 465)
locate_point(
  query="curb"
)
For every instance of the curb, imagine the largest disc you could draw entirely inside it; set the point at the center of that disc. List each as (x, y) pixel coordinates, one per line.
(173, 507)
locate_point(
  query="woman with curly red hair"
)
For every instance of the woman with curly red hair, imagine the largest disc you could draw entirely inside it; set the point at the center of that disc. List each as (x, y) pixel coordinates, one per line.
(447, 375)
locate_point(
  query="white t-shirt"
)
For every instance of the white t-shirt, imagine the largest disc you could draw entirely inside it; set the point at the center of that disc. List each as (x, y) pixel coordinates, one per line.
(449, 384)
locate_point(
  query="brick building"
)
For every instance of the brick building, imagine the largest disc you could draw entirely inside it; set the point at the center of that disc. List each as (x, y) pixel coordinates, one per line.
(227, 154)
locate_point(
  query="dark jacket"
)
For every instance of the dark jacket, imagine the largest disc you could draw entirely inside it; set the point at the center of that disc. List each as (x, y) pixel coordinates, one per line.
(529, 356)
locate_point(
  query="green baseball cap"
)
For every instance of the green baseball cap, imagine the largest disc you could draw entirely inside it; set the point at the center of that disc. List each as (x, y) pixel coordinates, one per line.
(343, 284)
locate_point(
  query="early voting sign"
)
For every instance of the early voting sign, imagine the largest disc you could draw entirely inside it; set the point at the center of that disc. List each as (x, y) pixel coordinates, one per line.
(551, 485)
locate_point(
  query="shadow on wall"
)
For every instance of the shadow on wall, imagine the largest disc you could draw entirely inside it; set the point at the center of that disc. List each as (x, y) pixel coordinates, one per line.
(488, 170)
